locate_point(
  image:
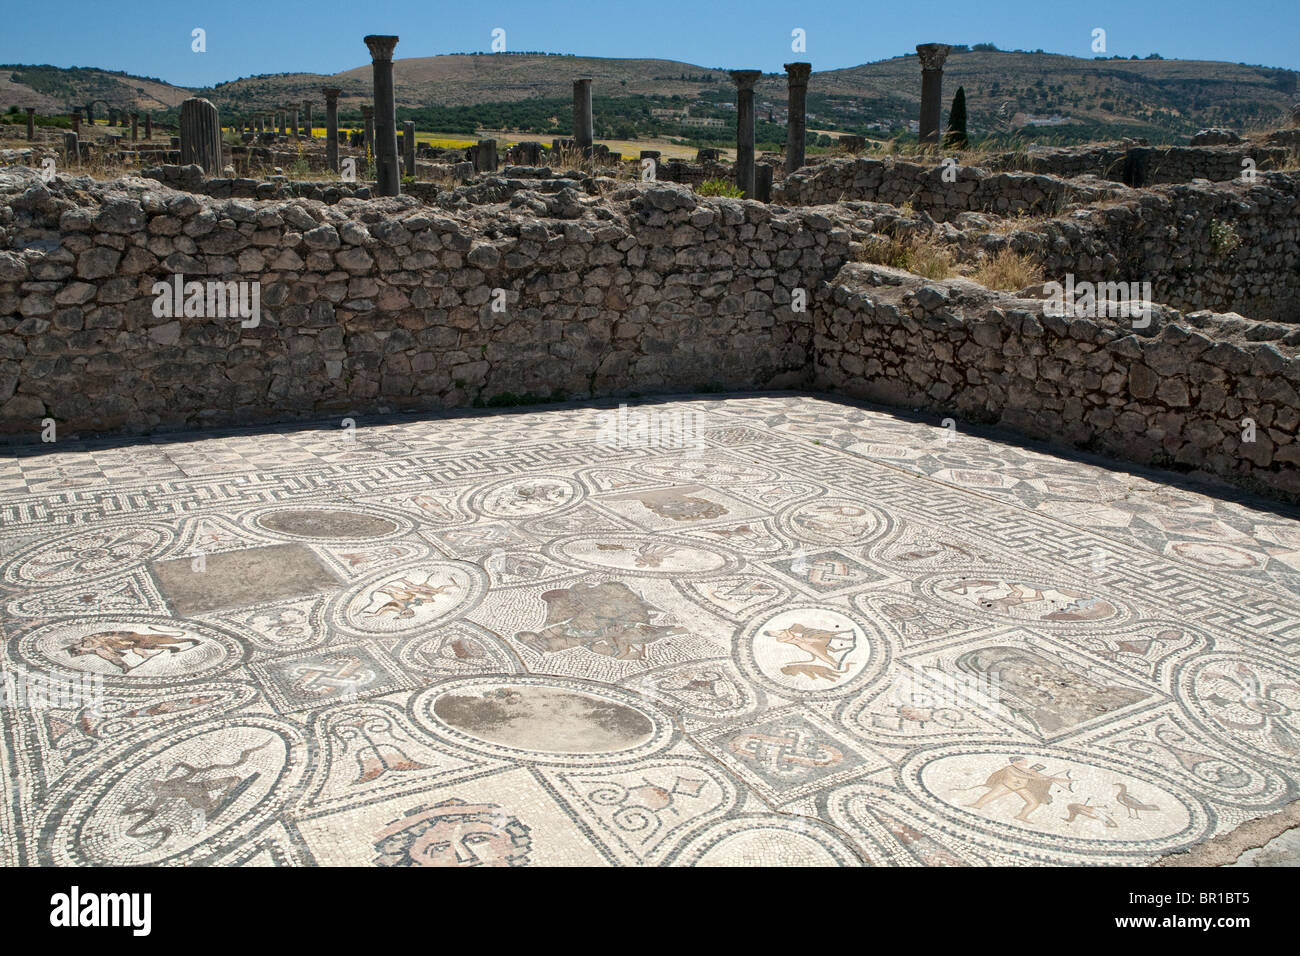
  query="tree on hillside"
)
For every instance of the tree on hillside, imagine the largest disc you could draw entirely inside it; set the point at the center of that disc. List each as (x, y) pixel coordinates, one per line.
(956, 137)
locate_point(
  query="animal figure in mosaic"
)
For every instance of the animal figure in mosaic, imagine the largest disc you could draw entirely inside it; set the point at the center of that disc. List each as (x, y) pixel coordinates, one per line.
(608, 619)
(1029, 783)
(191, 786)
(407, 595)
(114, 646)
(1075, 810)
(831, 648)
(1133, 805)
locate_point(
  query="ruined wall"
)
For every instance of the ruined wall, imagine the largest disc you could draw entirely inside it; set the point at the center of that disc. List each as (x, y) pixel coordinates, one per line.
(1144, 165)
(1174, 394)
(898, 182)
(389, 303)
(1227, 247)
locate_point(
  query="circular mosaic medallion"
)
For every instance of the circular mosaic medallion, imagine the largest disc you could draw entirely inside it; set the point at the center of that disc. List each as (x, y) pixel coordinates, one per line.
(833, 521)
(543, 719)
(136, 649)
(400, 601)
(83, 556)
(1220, 557)
(1026, 599)
(811, 650)
(1052, 800)
(526, 497)
(656, 556)
(326, 524)
(1250, 704)
(179, 798)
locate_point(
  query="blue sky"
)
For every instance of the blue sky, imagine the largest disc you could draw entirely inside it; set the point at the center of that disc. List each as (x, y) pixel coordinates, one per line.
(152, 37)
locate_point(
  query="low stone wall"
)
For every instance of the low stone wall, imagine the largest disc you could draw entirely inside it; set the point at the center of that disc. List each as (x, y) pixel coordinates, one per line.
(1141, 165)
(1229, 247)
(389, 304)
(922, 185)
(1184, 392)
(1042, 181)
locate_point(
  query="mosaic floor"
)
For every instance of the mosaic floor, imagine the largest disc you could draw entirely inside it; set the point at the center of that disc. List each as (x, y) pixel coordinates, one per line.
(817, 634)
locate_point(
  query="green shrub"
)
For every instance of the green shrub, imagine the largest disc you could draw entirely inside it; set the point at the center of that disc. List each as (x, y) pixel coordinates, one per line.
(719, 187)
(1223, 237)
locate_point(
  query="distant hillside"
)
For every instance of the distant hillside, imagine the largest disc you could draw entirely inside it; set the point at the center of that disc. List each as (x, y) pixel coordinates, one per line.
(1066, 98)
(57, 89)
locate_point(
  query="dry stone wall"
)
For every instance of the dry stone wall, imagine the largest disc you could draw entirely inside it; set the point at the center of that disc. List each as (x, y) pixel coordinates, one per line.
(1187, 391)
(1229, 247)
(389, 303)
(1141, 165)
(923, 185)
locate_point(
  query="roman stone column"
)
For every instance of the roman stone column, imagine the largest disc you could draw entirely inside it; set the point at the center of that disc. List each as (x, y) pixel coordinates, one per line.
(135, 127)
(148, 126)
(744, 80)
(307, 128)
(332, 127)
(90, 114)
(932, 57)
(31, 122)
(297, 126)
(583, 122)
(368, 121)
(408, 147)
(388, 171)
(76, 122)
(201, 135)
(796, 125)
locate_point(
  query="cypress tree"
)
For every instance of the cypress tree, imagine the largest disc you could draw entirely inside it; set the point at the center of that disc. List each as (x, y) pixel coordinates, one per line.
(956, 137)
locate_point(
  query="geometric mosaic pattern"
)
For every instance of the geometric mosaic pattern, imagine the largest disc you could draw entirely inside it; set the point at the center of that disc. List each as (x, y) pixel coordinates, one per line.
(813, 634)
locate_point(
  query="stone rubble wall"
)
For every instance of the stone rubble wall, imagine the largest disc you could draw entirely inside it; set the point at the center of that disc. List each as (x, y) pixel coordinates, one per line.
(1174, 394)
(389, 304)
(922, 185)
(1166, 236)
(1163, 164)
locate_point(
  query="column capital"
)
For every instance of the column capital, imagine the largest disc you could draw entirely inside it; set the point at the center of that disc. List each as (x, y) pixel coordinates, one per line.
(933, 55)
(331, 93)
(367, 109)
(798, 73)
(381, 47)
(745, 79)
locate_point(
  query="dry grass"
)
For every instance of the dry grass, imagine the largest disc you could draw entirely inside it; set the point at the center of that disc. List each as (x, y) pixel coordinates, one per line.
(571, 158)
(920, 256)
(1008, 271)
(1023, 219)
